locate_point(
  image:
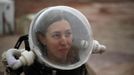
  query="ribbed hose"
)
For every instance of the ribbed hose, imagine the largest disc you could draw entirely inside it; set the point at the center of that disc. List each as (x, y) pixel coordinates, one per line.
(98, 48)
(25, 58)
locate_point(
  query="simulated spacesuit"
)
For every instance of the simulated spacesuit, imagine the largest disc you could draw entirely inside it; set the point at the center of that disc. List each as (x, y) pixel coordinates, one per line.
(73, 27)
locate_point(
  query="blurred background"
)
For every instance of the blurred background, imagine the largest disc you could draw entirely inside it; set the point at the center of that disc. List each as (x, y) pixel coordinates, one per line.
(112, 23)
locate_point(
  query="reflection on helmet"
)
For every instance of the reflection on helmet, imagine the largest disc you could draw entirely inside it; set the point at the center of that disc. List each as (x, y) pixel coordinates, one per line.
(70, 28)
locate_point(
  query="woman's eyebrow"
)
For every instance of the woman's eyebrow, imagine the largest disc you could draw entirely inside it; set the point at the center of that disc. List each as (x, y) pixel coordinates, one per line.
(56, 32)
(68, 30)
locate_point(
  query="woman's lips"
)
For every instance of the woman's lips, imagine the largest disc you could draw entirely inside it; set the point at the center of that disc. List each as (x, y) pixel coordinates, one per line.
(63, 50)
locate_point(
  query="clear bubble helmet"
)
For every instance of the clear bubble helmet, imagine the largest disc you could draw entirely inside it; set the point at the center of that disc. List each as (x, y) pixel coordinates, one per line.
(82, 41)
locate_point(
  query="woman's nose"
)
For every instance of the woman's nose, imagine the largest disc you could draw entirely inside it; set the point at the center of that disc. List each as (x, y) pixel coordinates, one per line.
(63, 40)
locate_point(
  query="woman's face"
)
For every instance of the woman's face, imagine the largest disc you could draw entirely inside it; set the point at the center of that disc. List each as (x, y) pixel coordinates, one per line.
(58, 40)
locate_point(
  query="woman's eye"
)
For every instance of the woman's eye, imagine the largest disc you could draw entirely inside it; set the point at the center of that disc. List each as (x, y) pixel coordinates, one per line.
(56, 35)
(68, 34)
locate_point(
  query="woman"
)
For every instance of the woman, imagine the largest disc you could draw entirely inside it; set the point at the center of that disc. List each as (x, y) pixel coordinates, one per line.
(56, 44)
(56, 33)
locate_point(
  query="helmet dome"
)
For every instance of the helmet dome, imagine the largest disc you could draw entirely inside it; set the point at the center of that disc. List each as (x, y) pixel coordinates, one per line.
(82, 41)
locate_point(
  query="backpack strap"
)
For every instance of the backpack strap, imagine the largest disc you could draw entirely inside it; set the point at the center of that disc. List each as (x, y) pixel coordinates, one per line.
(21, 39)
